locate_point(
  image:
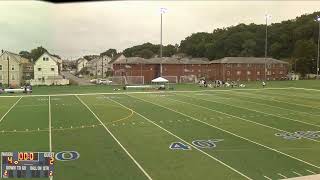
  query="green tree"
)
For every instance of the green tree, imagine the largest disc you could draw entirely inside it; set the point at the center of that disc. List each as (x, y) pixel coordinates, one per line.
(37, 52)
(109, 52)
(25, 54)
(305, 53)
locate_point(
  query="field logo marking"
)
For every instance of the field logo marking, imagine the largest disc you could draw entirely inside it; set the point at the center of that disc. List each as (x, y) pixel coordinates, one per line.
(226, 131)
(299, 135)
(174, 135)
(179, 146)
(67, 155)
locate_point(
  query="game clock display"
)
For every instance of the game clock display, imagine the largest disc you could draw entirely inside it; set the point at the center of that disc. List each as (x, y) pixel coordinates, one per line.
(27, 164)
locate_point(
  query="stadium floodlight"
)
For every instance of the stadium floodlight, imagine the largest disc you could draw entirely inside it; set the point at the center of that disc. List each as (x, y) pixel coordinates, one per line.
(267, 17)
(162, 11)
(318, 20)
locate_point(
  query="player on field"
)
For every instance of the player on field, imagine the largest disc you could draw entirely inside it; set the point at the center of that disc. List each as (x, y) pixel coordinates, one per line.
(263, 84)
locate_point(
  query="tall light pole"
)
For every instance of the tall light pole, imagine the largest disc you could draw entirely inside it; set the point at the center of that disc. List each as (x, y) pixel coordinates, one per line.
(162, 11)
(267, 16)
(8, 70)
(318, 20)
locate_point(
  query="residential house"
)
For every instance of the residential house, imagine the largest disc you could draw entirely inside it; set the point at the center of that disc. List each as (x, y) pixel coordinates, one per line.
(12, 66)
(47, 70)
(98, 66)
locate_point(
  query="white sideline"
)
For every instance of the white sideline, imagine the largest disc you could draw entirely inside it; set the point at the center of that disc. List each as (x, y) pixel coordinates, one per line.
(231, 133)
(254, 111)
(10, 109)
(138, 92)
(125, 150)
(182, 140)
(283, 176)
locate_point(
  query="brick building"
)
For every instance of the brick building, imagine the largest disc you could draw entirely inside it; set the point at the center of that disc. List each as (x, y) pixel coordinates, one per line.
(191, 69)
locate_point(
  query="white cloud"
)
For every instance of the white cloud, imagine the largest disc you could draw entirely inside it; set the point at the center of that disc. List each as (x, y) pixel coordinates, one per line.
(83, 28)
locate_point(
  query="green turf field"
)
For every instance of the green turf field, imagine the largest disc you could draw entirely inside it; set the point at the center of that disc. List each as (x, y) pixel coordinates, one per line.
(217, 133)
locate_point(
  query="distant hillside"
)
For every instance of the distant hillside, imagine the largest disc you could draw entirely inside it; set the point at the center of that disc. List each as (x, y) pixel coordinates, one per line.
(294, 40)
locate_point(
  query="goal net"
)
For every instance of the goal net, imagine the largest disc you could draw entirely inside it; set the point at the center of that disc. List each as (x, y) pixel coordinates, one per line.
(188, 79)
(121, 80)
(135, 79)
(171, 79)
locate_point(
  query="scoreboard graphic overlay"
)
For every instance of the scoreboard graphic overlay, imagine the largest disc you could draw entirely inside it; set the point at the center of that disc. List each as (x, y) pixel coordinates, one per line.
(27, 164)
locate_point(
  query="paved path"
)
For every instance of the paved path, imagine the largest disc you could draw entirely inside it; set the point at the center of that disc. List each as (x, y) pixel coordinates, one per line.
(79, 81)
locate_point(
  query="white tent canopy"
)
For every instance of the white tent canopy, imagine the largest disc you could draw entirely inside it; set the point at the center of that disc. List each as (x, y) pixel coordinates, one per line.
(159, 80)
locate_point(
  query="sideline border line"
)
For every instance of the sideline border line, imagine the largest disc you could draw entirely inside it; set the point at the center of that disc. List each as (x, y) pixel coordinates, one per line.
(139, 92)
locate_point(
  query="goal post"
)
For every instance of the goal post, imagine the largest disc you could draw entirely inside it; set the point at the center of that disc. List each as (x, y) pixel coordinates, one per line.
(171, 79)
(122, 80)
(188, 79)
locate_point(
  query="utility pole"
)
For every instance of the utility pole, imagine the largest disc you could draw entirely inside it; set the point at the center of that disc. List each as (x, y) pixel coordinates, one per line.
(162, 11)
(102, 66)
(8, 71)
(318, 20)
(266, 48)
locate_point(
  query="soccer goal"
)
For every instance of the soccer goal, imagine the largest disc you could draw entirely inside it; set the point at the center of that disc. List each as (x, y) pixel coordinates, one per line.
(188, 79)
(171, 79)
(121, 80)
(134, 79)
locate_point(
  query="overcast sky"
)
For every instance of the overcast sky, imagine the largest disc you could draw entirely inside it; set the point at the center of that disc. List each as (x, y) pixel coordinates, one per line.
(76, 29)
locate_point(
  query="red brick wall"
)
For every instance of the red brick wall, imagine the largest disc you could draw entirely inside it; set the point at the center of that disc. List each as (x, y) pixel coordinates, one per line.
(210, 71)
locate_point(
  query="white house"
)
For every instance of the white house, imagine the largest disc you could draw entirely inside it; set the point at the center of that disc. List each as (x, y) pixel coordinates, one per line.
(47, 71)
(81, 63)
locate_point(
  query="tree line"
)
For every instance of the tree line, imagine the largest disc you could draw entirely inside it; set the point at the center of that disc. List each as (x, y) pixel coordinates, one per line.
(293, 40)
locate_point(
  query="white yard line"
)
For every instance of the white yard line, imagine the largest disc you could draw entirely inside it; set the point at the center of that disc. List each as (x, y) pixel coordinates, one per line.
(1, 121)
(210, 156)
(273, 106)
(136, 92)
(283, 176)
(267, 177)
(281, 101)
(296, 173)
(50, 134)
(267, 147)
(10, 109)
(310, 171)
(243, 119)
(290, 119)
(125, 150)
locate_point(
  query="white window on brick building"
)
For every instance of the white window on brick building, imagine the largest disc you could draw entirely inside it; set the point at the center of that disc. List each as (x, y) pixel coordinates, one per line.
(249, 72)
(238, 72)
(268, 72)
(280, 72)
(258, 72)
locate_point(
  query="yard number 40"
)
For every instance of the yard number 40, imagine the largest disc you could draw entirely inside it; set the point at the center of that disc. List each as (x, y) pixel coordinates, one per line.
(198, 143)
